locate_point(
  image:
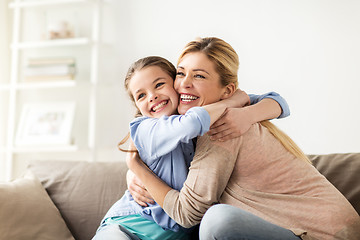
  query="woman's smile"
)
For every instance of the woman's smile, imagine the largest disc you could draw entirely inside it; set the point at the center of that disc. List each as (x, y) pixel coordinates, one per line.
(186, 98)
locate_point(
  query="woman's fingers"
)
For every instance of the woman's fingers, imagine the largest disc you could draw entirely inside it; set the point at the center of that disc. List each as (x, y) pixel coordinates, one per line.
(138, 190)
(140, 195)
(224, 135)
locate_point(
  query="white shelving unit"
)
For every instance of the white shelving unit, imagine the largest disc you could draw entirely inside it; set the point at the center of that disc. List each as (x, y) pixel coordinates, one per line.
(15, 87)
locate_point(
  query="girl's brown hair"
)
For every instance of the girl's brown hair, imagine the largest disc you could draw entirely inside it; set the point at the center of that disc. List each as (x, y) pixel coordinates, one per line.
(140, 64)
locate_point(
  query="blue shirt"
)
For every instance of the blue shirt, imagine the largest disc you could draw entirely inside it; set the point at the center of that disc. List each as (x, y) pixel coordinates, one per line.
(166, 146)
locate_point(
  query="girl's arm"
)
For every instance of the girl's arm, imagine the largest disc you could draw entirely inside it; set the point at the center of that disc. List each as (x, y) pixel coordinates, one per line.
(236, 121)
(157, 137)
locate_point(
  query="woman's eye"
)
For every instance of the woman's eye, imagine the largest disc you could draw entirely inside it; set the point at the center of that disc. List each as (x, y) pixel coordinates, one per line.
(140, 96)
(199, 76)
(159, 84)
(180, 74)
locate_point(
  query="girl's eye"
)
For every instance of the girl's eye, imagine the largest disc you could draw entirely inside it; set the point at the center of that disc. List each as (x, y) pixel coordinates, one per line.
(159, 84)
(141, 95)
(199, 76)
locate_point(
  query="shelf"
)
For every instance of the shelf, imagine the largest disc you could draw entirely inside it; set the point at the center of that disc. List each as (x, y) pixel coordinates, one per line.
(4, 87)
(3, 150)
(43, 149)
(47, 84)
(43, 3)
(51, 43)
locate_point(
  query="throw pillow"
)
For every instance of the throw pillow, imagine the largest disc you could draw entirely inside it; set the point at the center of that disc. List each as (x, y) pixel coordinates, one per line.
(27, 212)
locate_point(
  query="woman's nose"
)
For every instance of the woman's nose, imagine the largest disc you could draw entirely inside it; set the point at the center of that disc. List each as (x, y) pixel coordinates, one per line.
(186, 82)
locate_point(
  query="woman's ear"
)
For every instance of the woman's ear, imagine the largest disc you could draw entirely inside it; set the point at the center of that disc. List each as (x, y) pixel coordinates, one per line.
(228, 91)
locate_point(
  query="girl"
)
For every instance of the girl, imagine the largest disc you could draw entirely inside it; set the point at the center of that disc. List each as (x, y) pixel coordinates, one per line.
(164, 142)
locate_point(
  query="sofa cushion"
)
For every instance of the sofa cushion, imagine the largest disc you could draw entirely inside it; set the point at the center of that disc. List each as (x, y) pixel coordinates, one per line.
(343, 171)
(24, 202)
(82, 191)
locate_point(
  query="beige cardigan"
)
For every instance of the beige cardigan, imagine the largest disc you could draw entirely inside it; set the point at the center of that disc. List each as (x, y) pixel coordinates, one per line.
(256, 173)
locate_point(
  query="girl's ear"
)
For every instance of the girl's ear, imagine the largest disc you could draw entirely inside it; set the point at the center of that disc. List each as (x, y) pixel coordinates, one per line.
(228, 91)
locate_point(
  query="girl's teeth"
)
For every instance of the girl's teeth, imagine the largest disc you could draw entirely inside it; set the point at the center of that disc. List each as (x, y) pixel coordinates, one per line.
(160, 105)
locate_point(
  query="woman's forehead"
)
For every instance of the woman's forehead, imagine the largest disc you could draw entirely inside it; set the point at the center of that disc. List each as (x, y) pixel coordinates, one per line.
(196, 60)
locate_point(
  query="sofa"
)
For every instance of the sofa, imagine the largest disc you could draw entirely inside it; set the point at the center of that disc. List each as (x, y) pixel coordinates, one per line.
(66, 200)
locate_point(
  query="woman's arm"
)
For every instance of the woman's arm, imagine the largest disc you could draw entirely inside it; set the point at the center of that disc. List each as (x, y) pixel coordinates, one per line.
(154, 185)
(236, 121)
(206, 181)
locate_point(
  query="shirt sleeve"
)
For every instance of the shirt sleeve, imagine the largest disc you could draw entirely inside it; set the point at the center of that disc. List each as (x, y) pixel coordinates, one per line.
(156, 137)
(208, 176)
(273, 95)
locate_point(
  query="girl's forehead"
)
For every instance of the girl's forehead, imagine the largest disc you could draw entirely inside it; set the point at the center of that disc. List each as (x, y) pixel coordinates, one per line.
(145, 78)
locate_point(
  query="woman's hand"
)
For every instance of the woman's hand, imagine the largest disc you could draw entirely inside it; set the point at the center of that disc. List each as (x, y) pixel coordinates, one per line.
(138, 190)
(135, 186)
(234, 123)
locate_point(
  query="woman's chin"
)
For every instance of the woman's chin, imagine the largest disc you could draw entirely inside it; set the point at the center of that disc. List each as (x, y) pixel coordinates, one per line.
(182, 108)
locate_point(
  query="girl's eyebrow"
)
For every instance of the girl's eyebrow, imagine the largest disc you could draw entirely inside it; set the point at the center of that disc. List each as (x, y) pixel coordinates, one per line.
(157, 79)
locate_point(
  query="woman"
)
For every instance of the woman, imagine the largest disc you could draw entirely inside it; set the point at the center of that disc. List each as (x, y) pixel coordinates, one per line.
(262, 178)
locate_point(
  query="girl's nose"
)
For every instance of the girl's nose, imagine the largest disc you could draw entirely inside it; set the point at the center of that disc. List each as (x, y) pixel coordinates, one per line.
(153, 97)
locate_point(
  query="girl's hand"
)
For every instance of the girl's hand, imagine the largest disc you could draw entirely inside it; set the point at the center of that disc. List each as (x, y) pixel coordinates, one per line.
(234, 123)
(238, 99)
(138, 190)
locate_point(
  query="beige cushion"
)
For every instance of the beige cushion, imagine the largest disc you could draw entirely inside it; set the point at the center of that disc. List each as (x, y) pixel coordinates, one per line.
(343, 171)
(27, 212)
(82, 191)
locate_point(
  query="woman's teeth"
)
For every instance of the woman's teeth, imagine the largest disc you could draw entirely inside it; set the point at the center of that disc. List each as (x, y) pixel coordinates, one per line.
(187, 98)
(160, 105)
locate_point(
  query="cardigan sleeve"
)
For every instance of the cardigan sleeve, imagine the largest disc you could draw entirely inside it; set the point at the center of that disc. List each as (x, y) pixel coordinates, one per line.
(208, 177)
(285, 110)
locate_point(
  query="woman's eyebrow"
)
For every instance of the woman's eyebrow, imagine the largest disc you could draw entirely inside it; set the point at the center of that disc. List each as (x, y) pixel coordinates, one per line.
(201, 70)
(196, 69)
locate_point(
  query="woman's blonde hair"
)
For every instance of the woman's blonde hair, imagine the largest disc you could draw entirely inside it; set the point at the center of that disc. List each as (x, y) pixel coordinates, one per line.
(141, 64)
(219, 52)
(227, 65)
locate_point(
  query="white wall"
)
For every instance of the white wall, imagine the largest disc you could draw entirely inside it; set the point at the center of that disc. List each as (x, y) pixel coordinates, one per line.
(307, 50)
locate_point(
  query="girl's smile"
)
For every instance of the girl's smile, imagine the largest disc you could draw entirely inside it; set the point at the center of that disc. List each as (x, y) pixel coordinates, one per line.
(153, 92)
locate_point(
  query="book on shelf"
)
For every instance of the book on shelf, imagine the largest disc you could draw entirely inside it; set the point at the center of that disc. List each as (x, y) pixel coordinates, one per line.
(50, 61)
(44, 69)
(49, 78)
(62, 69)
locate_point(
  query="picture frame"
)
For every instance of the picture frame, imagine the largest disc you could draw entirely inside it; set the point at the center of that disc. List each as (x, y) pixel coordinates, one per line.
(45, 124)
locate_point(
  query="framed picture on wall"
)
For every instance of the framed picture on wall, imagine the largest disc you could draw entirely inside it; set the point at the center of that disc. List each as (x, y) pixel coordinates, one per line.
(47, 124)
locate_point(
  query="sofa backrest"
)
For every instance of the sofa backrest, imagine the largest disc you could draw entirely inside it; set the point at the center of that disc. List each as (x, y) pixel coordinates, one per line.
(343, 171)
(84, 191)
